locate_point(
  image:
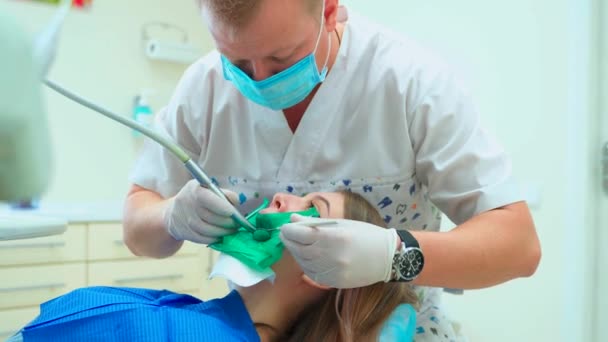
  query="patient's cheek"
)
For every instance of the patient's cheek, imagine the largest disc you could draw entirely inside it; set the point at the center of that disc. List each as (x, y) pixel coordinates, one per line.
(287, 267)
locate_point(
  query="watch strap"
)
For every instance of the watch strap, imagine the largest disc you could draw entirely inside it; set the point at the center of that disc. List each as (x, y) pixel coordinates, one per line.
(407, 238)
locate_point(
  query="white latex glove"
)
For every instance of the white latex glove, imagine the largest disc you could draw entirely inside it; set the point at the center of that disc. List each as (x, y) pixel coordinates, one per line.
(346, 255)
(197, 214)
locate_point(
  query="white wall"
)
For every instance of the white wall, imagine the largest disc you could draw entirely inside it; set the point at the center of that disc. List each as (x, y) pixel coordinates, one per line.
(101, 57)
(525, 62)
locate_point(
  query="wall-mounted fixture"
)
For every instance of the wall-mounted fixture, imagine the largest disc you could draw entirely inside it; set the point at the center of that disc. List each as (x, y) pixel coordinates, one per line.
(170, 50)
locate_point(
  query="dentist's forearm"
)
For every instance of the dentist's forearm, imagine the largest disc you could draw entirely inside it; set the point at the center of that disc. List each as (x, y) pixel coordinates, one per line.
(489, 249)
(144, 229)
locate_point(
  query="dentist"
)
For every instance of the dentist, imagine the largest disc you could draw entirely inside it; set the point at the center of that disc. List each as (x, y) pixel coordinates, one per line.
(300, 97)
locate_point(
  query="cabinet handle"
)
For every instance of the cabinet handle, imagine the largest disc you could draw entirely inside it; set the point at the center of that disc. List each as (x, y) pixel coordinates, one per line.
(33, 245)
(32, 287)
(151, 278)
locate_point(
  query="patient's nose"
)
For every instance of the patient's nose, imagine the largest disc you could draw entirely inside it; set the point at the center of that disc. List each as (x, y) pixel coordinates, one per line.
(286, 202)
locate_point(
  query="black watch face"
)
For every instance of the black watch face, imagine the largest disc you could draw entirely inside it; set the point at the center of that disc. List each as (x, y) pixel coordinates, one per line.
(411, 263)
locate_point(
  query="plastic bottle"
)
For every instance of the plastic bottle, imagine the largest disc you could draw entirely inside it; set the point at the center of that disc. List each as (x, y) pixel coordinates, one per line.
(142, 113)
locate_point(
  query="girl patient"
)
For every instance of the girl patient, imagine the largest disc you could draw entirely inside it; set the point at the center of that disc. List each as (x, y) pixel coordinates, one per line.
(293, 308)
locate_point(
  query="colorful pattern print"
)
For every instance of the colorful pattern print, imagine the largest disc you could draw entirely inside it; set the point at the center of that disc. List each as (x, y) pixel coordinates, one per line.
(433, 326)
(403, 203)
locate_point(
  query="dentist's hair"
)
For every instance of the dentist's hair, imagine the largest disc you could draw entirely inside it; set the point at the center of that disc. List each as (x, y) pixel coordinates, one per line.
(353, 315)
(237, 13)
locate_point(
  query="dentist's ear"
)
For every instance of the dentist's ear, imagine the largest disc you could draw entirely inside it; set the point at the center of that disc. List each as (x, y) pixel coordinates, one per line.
(314, 284)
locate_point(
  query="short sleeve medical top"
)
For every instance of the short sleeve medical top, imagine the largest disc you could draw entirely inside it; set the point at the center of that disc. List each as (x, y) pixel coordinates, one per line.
(390, 122)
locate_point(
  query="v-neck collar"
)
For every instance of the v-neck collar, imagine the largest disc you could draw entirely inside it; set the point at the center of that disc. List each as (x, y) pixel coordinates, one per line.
(294, 150)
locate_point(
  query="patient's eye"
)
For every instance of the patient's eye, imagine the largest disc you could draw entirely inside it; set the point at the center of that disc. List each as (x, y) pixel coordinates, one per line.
(322, 205)
(316, 204)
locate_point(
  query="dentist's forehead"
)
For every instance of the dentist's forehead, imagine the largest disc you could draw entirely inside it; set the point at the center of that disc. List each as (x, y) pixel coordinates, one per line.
(255, 41)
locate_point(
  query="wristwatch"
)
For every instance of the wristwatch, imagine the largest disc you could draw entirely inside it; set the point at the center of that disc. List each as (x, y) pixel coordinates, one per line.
(408, 260)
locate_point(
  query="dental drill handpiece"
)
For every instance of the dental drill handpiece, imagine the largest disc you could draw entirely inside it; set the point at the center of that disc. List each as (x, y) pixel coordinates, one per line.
(164, 141)
(206, 182)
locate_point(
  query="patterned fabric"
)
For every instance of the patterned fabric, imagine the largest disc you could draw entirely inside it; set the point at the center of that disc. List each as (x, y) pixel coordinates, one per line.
(433, 325)
(432, 322)
(401, 202)
(130, 314)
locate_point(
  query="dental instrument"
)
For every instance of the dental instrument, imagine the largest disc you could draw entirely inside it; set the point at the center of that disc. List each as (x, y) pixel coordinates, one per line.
(192, 167)
(262, 234)
(317, 223)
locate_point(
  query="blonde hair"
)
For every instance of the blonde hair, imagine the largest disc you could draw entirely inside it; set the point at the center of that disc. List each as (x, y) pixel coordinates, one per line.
(237, 13)
(353, 314)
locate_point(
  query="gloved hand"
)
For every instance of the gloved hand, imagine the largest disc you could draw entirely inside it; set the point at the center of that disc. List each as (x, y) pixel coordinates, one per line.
(347, 255)
(197, 214)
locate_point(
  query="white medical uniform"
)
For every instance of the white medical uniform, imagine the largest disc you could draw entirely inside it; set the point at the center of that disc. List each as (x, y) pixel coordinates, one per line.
(390, 122)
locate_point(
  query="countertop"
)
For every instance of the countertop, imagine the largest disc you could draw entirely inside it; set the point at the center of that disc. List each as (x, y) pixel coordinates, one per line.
(72, 212)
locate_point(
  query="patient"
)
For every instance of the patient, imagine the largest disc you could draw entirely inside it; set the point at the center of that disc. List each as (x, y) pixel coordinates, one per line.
(294, 308)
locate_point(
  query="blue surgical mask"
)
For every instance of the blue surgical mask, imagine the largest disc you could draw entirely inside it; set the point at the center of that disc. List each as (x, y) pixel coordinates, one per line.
(285, 89)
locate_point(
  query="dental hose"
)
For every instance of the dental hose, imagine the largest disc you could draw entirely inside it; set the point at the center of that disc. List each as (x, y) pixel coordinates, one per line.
(192, 167)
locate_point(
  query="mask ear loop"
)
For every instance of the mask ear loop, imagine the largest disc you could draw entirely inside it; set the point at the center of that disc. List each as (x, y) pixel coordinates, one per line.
(320, 29)
(327, 56)
(319, 39)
